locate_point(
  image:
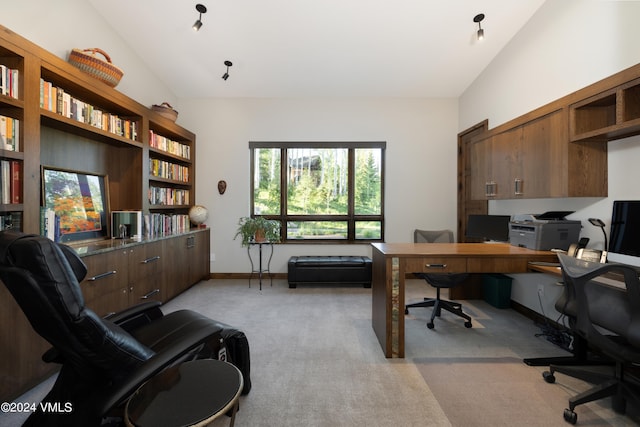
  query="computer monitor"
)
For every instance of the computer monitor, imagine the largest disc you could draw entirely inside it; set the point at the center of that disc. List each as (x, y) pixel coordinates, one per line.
(624, 240)
(488, 227)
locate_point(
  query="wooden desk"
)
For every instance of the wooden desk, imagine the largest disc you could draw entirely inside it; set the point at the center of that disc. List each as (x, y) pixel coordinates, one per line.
(392, 261)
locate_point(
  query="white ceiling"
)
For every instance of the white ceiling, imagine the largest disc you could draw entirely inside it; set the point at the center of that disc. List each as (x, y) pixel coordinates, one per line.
(317, 48)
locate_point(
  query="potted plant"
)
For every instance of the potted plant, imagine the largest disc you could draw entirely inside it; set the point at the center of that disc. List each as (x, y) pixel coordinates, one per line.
(258, 229)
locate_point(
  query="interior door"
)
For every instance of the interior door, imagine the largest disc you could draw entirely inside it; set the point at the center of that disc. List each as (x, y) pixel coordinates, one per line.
(467, 204)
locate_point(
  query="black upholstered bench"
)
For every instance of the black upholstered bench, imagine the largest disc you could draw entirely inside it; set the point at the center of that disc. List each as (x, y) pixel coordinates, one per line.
(329, 270)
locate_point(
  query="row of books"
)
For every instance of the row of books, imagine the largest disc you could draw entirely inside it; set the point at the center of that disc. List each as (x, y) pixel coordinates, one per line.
(164, 225)
(11, 182)
(9, 133)
(168, 196)
(56, 100)
(167, 170)
(165, 144)
(10, 221)
(9, 81)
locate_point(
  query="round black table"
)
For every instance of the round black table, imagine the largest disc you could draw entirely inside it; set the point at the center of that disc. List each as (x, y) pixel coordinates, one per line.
(191, 394)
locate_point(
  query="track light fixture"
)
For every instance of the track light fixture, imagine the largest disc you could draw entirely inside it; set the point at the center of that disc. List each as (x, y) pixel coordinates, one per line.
(201, 9)
(478, 18)
(225, 76)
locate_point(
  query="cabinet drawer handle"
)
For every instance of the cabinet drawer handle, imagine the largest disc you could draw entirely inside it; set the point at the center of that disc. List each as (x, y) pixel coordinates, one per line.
(436, 265)
(518, 187)
(191, 242)
(101, 276)
(150, 294)
(148, 260)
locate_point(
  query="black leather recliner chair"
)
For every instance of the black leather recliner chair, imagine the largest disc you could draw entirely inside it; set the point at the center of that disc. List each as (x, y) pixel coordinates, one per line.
(103, 360)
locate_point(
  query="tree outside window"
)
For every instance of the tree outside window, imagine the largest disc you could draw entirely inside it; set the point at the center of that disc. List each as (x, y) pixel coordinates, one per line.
(320, 191)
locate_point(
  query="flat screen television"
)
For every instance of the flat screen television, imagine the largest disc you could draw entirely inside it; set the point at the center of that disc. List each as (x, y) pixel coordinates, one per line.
(80, 201)
(624, 237)
(488, 227)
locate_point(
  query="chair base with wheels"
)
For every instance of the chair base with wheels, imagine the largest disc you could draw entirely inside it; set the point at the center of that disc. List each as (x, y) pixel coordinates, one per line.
(607, 319)
(438, 281)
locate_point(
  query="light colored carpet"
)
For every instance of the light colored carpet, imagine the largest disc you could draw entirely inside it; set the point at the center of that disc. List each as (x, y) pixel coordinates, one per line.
(315, 361)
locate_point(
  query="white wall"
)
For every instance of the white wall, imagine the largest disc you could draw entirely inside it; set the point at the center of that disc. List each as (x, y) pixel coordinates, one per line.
(420, 161)
(62, 25)
(567, 44)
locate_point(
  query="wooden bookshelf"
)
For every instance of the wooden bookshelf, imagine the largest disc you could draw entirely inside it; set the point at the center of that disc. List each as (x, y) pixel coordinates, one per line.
(50, 137)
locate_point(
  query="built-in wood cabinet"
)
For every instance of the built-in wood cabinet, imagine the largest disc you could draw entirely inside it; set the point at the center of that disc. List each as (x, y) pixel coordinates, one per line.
(191, 253)
(111, 136)
(535, 159)
(69, 120)
(611, 114)
(122, 277)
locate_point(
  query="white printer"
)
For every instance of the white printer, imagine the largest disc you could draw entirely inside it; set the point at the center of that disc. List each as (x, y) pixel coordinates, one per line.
(543, 232)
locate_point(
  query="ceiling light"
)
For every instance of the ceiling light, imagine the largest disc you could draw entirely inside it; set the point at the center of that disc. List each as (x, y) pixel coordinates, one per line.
(225, 76)
(201, 9)
(478, 18)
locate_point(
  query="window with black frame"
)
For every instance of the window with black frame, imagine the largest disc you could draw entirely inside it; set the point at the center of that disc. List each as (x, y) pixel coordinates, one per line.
(320, 191)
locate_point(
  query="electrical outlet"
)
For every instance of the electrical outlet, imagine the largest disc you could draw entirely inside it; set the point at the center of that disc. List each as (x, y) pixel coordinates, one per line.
(541, 289)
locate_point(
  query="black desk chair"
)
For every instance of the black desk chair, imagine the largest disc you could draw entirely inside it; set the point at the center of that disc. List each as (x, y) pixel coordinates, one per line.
(439, 281)
(104, 361)
(609, 319)
(581, 353)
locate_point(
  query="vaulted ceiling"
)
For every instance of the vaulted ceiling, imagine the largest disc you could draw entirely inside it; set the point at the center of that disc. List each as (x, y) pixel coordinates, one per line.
(317, 48)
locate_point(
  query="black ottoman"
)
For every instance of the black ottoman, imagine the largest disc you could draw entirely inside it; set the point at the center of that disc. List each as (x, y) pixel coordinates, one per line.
(329, 270)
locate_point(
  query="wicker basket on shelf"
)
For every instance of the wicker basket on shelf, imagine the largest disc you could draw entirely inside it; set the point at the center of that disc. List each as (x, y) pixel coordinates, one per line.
(165, 110)
(101, 69)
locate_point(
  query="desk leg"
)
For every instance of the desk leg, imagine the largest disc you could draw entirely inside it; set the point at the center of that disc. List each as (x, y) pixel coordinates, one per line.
(387, 293)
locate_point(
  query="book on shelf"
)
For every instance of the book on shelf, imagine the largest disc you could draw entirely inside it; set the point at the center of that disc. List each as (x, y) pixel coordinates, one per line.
(9, 133)
(58, 101)
(15, 189)
(167, 170)
(10, 181)
(165, 144)
(9, 81)
(168, 196)
(10, 221)
(157, 224)
(5, 178)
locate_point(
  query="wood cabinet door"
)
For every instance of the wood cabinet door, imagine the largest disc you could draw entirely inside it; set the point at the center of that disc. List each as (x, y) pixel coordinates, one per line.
(506, 162)
(175, 266)
(480, 169)
(199, 258)
(146, 263)
(544, 152)
(105, 288)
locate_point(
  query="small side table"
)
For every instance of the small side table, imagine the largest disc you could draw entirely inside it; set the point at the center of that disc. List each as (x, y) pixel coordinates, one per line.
(260, 270)
(190, 394)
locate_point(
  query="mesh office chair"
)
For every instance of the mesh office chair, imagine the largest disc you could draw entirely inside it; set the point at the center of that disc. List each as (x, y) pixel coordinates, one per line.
(439, 281)
(609, 320)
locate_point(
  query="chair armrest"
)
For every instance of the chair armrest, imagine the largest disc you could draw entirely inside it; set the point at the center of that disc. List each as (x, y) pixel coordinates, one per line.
(133, 317)
(186, 343)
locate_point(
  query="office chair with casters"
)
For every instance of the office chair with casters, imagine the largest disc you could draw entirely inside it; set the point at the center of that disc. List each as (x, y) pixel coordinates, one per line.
(609, 319)
(439, 280)
(103, 361)
(581, 353)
